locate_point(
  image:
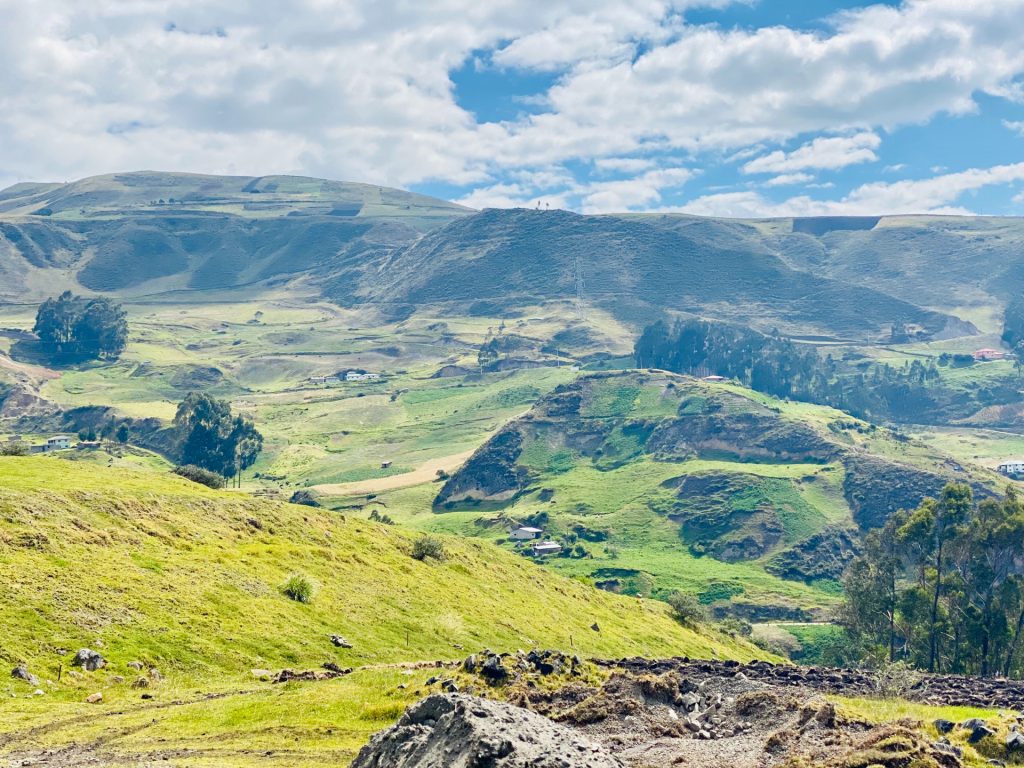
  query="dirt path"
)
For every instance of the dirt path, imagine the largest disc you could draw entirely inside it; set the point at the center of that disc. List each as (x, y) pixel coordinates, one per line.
(425, 473)
(36, 374)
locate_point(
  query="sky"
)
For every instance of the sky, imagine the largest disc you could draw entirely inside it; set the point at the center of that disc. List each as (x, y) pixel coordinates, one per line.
(748, 108)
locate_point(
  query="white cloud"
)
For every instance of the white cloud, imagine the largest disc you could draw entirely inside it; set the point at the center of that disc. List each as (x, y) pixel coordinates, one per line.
(938, 194)
(361, 89)
(786, 179)
(627, 194)
(824, 153)
(1017, 126)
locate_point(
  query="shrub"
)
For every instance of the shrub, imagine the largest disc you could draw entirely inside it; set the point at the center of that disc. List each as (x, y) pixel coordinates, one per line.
(686, 608)
(298, 588)
(14, 449)
(428, 546)
(892, 680)
(377, 517)
(200, 475)
(305, 498)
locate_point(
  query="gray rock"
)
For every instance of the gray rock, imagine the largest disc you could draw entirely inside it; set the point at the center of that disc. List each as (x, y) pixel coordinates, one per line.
(21, 672)
(943, 726)
(494, 669)
(1014, 741)
(88, 660)
(340, 642)
(978, 733)
(459, 731)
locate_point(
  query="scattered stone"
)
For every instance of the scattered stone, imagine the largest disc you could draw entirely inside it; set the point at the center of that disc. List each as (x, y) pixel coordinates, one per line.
(340, 642)
(943, 726)
(460, 730)
(94, 698)
(138, 666)
(1015, 741)
(449, 686)
(142, 682)
(595, 627)
(154, 675)
(88, 660)
(21, 672)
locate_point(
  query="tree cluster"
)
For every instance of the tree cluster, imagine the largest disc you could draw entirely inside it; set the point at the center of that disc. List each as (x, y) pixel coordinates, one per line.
(942, 586)
(778, 366)
(74, 328)
(213, 438)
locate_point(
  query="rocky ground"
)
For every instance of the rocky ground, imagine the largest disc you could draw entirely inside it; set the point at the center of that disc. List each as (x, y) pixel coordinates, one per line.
(638, 713)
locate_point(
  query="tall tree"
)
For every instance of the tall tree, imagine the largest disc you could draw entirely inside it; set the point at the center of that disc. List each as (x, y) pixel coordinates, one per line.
(74, 328)
(214, 439)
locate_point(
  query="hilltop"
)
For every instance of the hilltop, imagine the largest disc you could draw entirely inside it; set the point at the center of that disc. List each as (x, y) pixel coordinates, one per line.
(668, 481)
(148, 232)
(833, 278)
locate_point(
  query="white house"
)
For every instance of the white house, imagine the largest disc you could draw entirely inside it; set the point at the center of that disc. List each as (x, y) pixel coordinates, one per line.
(1015, 467)
(58, 443)
(356, 376)
(526, 533)
(543, 548)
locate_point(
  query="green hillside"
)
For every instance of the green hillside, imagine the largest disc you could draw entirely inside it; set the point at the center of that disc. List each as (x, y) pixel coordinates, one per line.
(146, 232)
(657, 482)
(163, 570)
(636, 268)
(147, 567)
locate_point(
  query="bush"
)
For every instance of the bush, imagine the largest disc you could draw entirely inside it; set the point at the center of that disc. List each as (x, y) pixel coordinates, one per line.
(377, 517)
(892, 680)
(14, 449)
(298, 588)
(686, 608)
(428, 546)
(200, 475)
(305, 498)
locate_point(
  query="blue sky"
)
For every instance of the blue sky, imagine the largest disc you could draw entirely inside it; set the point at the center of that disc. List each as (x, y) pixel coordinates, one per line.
(718, 107)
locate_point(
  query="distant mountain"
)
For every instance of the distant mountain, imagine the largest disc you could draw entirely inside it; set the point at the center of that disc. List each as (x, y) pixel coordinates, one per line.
(143, 233)
(137, 234)
(637, 267)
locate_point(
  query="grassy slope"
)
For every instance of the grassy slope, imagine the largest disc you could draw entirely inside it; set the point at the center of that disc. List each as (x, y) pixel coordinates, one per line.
(624, 500)
(150, 567)
(161, 569)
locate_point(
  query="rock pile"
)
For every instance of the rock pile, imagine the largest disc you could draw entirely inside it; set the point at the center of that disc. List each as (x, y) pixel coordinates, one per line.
(459, 731)
(939, 690)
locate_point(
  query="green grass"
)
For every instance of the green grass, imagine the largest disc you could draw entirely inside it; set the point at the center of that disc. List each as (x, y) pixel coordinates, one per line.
(165, 570)
(146, 566)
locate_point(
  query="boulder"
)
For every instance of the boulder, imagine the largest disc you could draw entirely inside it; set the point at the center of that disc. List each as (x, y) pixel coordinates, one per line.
(459, 731)
(978, 733)
(943, 726)
(88, 660)
(94, 698)
(340, 642)
(493, 669)
(21, 672)
(1014, 741)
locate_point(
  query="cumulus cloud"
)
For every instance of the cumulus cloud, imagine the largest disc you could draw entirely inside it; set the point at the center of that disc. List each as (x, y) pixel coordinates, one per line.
(938, 194)
(1017, 126)
(824, 153)
(363, 90)
(786, 179)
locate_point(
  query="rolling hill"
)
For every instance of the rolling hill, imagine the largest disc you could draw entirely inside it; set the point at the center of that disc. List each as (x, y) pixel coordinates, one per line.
(143, 233)
(668, 481)
(147, 233)
(152, 567)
